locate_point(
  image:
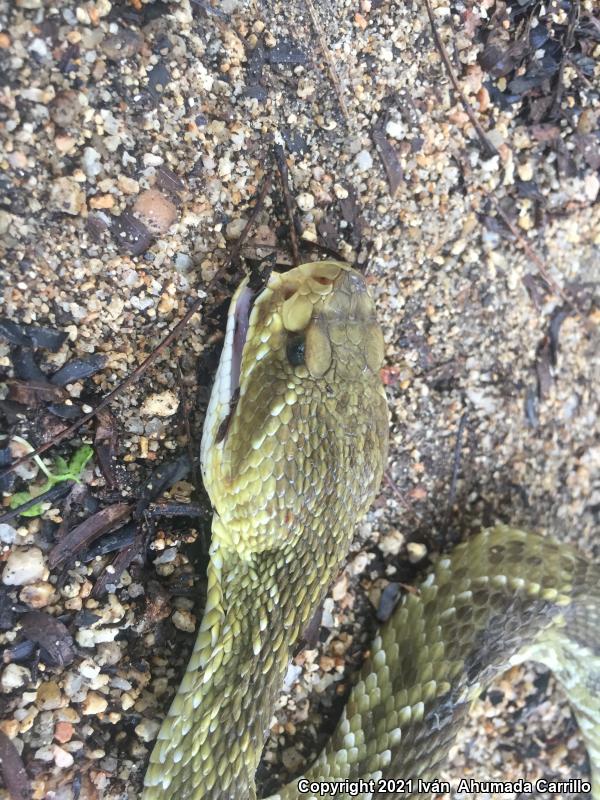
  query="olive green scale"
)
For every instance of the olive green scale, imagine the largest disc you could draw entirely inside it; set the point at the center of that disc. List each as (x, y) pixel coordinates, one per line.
(300, 461)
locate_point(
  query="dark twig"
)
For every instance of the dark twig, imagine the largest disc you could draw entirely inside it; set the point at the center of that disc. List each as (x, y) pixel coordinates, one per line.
(487, 145)
(455, 466)
(282, 257)
(234, 253)
(173, 509)
(287, 197)
(533, 256)
(333, 76)
(55, 493)
(187, 413)
(398, 494)
(150, 359)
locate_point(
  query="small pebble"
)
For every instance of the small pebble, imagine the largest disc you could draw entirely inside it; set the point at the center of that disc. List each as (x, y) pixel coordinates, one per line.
(124, 44)
(24, 565)
(49, 696)
(10, 727)
(13, 677)
(395, 129)
(184, 620)
(91, 162)
(63, 732)
(128, 185)
(591, 187)
(416, 551)
(391, 543)
(65, 108)
(147, 729)
(62, 759)
(8, 534)
(156, 211)
(235, 228)
(66, 195)
(587, 121)
(162, 404)
(37, 595)
(94, 703)
(306, 201)
(363, 161)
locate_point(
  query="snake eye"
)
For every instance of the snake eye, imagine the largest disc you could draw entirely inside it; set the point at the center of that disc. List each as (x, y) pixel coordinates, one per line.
(295, 350)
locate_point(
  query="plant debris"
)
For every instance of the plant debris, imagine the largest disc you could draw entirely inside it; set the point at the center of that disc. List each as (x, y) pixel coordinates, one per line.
(389, 159)
(51, 635)
(87, 532)
(34, 394)
(60, 472)
(78, 369)
(31, 336)
(14, 774)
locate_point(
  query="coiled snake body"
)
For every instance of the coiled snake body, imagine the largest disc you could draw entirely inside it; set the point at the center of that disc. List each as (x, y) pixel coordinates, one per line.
(292, 455)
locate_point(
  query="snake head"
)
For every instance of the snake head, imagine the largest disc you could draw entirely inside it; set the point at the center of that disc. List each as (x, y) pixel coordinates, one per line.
(318, 322)
(301, 357)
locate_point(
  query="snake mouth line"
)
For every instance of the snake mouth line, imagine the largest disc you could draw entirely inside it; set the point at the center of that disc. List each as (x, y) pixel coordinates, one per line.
(241, 322)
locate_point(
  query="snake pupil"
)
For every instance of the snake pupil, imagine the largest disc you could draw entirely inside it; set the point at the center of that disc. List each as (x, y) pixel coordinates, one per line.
(295, 350)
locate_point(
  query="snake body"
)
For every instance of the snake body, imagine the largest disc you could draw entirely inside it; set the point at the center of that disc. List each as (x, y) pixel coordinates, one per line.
(293, 451)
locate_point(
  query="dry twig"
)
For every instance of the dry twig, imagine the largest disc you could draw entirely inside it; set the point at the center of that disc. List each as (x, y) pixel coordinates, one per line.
(333, 76)
(455, 466)
(488, 146)
(533, 256)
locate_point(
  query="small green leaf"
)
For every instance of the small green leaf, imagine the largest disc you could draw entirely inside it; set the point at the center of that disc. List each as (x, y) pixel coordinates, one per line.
(61, 472)
(60, 466)
(19, 498)
(23, 497)
(34, 511)
(79, 461)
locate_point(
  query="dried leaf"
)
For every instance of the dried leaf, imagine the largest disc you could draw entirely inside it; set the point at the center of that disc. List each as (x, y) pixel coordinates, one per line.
(285, 52)
(542, 368)
(118, 566)
(77, 369)
(26, 335)
(117, 540)
(34, 394)
(13, 770)
(25, 365)
(105, 444)
(161, 479)
(499, 59)
(130, 234)
(389, 159)
(558, 317)
(88, 531)
(51, 635)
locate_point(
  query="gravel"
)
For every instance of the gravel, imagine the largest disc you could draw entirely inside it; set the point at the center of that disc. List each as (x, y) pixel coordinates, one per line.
(135, 138)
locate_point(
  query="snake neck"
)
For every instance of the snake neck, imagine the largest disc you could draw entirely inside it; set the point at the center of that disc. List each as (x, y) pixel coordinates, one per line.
(226, 698)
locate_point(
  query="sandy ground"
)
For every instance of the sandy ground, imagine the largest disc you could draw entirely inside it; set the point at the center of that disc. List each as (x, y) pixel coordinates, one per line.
(135, 138)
